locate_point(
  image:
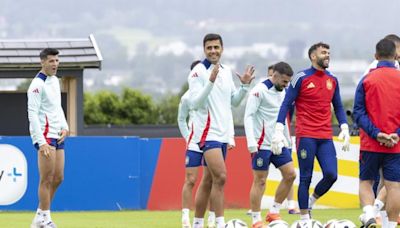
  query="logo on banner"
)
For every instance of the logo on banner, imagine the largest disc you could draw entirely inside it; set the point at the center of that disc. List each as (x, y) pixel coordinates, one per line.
(13, 174)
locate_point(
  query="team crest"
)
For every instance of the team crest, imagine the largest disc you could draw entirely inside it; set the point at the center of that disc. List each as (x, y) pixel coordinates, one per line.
(329, 84)
(187, 160)
(260, 162)
(303, 154)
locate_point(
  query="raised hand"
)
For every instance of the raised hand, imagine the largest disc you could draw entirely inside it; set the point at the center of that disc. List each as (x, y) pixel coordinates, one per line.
(214, 73)
(248, 76)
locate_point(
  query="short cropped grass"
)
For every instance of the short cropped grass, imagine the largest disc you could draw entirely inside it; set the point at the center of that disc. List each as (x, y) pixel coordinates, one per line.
(153, 219)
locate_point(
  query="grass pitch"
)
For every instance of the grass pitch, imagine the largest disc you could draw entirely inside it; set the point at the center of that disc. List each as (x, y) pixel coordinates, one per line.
(153, 219)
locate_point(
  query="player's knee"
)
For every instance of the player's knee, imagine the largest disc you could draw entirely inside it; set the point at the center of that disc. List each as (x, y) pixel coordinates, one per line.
(58, 180)
(331, 176)
(220, 179)
(305, 180)
(47, 179)
(290, 176)
(190, 180)
(260, 182)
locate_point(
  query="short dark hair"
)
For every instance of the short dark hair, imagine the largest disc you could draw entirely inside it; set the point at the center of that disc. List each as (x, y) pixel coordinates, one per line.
(271, 67)
(212, 36)
(393, 37)
(48, 51)
(194, 63)
(385, 48)
(283, 68)
(315, 46)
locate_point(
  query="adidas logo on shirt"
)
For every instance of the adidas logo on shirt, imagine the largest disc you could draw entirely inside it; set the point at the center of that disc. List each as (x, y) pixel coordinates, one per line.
(310, 86)
(35, 90)
(256, 94)
(195, 75)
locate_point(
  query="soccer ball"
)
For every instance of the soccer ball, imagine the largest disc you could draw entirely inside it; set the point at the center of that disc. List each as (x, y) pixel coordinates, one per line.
(312, 223)
(235, 223)
(330, 223)
(278, 224)
(344, 223)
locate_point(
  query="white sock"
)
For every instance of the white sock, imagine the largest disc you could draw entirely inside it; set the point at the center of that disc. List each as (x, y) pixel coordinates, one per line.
(384, 219)
(369, 212)
(211, 217)
(38, 215)
(392, 224)
(198, 222)
(185, 214)
(291, 204)
(274, 209)
(46, 216)
(220, 222)
(256, 217)
(311, 201)
(378, 205)
(305, 217)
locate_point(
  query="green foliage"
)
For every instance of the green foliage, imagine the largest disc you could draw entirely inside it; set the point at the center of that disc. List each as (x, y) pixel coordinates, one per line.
(131, 107)
(168, 109)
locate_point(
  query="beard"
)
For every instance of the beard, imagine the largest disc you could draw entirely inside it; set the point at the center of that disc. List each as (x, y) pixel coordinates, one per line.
(278, 87)
(320, 63)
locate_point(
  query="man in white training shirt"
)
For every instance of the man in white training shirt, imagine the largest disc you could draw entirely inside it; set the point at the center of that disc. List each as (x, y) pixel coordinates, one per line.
(261, 113)
(48, 129)
(212, 94)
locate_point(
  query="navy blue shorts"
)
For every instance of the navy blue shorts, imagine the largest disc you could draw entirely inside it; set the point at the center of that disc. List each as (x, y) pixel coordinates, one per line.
(260, 160)
(52, 142)
(370, 162)
(208, 145)
(193, 159)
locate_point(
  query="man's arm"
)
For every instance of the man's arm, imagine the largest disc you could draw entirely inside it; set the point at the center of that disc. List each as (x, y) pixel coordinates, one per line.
(183, 113)
(338, 106)
(238, 95)
(290, 97)
(253, 102)
(199, 90)
(34, 94)
(360, 115)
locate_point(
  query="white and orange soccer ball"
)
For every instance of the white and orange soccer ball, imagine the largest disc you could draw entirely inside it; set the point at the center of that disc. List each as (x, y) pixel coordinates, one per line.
(235, 223)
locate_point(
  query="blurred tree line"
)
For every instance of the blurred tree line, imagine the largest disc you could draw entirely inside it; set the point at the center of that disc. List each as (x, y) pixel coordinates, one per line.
(130, 107)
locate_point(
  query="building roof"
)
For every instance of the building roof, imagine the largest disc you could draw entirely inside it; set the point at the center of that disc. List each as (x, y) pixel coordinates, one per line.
(74, 53)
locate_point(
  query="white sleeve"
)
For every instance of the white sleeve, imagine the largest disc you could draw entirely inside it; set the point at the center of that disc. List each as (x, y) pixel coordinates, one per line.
(238, 95)
(253, 102)
(34, 102)
(199, 90)
(64, 124)
(183, 113)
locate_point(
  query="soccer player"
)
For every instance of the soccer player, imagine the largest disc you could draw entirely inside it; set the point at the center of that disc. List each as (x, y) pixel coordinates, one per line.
(212, 94)
(194, 157)
(313, 90)
(376, 95)
(261, 113)
(48, 129)
(381, 196)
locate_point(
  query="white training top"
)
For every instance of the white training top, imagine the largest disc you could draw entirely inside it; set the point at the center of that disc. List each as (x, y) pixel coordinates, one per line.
(212, 102)
(184, 112)
(45, 114)
(186, 128)
(261, 113)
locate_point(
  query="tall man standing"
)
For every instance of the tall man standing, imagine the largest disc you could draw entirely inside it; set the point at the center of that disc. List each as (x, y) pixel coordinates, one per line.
(212, 93)
(261, 113)
(313, 90)
(48, 128)
(376, 113)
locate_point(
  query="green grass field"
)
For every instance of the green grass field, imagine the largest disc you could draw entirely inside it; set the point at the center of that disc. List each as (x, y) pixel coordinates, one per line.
(153, 219)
